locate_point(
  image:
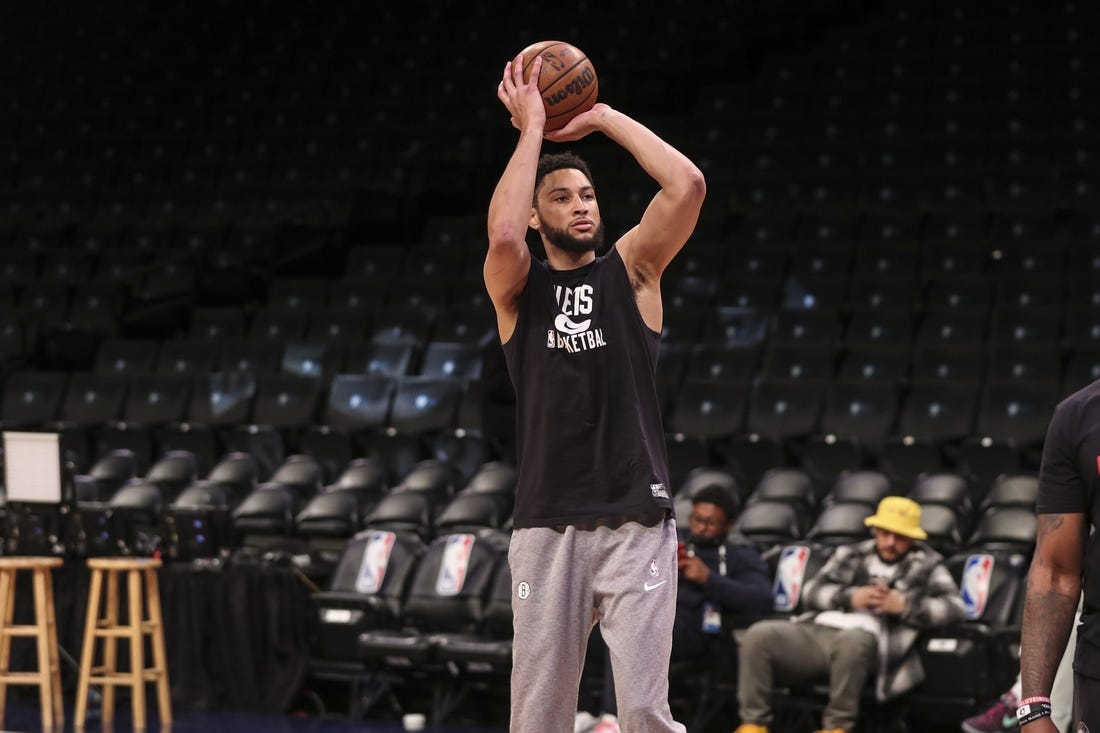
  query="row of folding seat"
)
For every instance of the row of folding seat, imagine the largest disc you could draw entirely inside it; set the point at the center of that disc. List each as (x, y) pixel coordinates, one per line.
(888, 246)
(851, 249)
(204, 412)
(390, 629)
(342, 147)
(843, 174)
(787, 505)
(1068, 328)
(887, 362)
(919, 175)
(395, 214)
(241, 499)
(61, 271)
(701, 404)
(174, 509)
(417, 313)
(789, 92)
(898, 291)
(308, 358)
(231, 171)
(925, 248)
(97, 320)
(982, 236)
(963, 426)
(116, 248)
(400, 611)
(860, 414)
(788, 408)
(390, 209)
(808, 178)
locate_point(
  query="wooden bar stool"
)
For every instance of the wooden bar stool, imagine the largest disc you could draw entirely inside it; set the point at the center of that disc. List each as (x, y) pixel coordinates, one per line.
(137, 626)
(44, 630)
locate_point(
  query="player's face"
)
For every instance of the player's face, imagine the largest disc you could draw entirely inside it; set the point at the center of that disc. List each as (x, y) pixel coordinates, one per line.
(891, 545)
(567, 214)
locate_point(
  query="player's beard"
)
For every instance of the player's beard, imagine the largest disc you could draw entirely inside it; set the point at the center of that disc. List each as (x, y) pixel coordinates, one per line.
(563, 240)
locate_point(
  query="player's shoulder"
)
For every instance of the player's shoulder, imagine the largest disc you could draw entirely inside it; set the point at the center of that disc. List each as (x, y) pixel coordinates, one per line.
(1084, 400)
(1084, 394)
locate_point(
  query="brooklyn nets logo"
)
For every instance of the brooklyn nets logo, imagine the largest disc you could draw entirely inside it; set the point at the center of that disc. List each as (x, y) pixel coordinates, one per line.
(573, 325)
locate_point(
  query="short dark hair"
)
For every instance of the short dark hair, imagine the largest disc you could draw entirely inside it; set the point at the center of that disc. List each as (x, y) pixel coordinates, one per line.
(550, 162)
(720, 496)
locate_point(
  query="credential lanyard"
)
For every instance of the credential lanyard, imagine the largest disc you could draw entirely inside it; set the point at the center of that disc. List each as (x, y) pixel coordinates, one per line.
(721, 557)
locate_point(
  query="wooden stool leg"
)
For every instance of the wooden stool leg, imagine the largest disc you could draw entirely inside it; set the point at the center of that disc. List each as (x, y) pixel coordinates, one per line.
(110, 645)
(160, 656)
(87, 653)
(55, 657)
(137, 648)
(41, 636)
(7, 608)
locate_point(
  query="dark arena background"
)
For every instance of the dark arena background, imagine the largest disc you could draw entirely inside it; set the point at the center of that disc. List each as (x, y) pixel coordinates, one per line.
(241, 248)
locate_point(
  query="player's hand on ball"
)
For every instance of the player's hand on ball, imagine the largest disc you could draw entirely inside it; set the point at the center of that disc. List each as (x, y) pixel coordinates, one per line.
(580, 125)
(522, 99)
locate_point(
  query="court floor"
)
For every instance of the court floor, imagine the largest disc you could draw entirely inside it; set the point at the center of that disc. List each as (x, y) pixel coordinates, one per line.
(23, 717)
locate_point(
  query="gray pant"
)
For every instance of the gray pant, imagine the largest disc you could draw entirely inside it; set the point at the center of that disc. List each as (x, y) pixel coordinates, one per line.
(787, 653)
(562, 584)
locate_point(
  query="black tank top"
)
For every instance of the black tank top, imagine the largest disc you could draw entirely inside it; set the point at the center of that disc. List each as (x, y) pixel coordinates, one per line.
(590, 440)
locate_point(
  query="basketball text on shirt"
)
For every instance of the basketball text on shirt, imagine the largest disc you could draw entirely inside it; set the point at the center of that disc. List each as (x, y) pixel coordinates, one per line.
(572, 330)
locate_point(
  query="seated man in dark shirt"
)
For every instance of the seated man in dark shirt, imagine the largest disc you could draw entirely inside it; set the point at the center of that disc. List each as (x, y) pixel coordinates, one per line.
(716, 575)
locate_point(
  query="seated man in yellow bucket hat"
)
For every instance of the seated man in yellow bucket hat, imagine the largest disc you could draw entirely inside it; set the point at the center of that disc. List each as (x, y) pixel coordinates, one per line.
(866, 607)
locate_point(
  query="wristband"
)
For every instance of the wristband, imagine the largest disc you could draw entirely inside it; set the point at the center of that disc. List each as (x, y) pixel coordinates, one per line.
(1034, 698)
(1031, 712)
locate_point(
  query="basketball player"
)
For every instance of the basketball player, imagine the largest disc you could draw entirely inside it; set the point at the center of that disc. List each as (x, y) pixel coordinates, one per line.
(1065, 565)
(595, 538)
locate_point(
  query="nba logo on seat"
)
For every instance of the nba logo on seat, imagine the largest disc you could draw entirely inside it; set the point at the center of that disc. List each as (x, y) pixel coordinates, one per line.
(376, 558)
(789, 576)
(977, 573)
(456, 558)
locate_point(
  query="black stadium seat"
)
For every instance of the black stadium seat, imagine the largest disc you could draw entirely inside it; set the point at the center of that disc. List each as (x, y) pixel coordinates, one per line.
(447, 596)
(32, 398)
(366, 592)
(970, 663)
(768, 523)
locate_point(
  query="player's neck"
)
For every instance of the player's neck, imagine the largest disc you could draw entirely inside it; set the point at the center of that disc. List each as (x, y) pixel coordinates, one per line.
(560, 259)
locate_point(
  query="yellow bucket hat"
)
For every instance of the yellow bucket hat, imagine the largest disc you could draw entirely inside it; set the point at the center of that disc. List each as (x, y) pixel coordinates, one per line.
(899, 515)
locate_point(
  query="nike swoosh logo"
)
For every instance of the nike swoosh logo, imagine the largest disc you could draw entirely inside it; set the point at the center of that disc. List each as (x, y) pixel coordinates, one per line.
(1009, 722)
(567, 325)
(649, 587)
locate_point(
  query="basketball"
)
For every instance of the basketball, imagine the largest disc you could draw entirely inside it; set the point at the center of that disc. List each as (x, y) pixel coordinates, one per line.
(567, 82)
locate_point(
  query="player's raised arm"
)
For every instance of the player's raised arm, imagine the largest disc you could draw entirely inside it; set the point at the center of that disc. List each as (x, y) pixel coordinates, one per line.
(671, 216)
(508, 259)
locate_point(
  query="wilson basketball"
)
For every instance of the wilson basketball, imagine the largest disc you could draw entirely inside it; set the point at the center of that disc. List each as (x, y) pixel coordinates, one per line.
(567, 82)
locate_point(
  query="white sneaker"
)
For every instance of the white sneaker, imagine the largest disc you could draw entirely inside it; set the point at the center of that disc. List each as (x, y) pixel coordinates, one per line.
(608, 724)
(584, 722)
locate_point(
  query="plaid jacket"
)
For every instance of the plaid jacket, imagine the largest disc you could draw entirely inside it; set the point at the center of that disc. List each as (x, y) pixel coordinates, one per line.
(932, 600)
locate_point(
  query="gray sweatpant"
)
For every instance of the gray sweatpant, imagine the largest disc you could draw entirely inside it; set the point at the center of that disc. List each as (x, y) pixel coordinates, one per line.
(563, 583)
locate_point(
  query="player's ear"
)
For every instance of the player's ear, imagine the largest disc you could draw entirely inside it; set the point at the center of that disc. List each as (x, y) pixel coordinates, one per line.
(533, 222)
